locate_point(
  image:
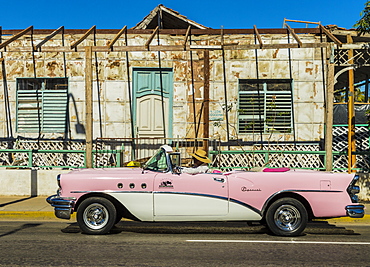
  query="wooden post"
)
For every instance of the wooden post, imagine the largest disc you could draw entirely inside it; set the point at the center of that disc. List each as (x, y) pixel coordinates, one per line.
(88, 106)
(206, 101)
(329, 117)
(351, 112)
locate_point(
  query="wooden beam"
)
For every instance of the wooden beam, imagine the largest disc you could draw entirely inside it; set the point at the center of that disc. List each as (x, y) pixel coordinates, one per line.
(15, 37)
(295, 36)
(118, 35)
(206, 70)
(151, 38)
(222, 36)
(175, 31)
(351, 112)
(329, 107)
(187, 36)
(142, 48)
(88, 107)
(38, 46)
(330, 35)
(1, 59)
(302, 21)
(258, 36)
(76, 43)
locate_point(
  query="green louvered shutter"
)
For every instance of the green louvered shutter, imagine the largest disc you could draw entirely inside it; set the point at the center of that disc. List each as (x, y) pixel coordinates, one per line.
(29, 108)
(54, 105)
(43, 110)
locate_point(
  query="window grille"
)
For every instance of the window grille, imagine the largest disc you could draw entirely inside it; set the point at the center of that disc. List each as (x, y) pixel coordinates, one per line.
(265, 106)
(42, 105)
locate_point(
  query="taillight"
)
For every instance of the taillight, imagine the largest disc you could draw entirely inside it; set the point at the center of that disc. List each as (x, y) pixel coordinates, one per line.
(58, 180)
(353, 189)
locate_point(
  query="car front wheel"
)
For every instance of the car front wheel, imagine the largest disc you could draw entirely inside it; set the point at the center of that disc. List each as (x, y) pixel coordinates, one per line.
(287, 217)
(96, 216)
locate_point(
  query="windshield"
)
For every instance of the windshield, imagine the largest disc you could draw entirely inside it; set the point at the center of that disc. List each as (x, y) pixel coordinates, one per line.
(157, 162)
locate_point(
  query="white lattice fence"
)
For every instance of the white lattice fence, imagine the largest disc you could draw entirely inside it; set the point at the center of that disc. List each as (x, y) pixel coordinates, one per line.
(53, 158)
(360, 57)
(251, 159)
(230, 161)
(340, 143)
(8, 159)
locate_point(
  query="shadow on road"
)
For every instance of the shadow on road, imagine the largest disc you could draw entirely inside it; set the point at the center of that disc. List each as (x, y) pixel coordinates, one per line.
(24, 226)
(325, 228)
(321, 228)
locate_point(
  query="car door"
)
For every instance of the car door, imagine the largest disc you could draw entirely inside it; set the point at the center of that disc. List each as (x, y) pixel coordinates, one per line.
(190, 197)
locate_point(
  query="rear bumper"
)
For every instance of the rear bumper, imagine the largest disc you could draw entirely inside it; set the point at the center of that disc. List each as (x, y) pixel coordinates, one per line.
(63, 208)
(355, 211)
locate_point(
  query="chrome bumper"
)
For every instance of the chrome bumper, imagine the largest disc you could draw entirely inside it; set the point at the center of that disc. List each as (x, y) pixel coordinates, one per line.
(355, 211)
(63, 208)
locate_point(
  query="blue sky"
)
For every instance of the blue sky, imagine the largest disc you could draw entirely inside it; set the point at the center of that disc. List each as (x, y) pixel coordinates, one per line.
(237, 14)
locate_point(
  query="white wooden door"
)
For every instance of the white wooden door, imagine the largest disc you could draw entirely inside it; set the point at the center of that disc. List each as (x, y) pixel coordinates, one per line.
(150, 116)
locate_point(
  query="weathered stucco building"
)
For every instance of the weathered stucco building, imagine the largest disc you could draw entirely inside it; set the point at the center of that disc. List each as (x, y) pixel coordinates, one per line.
(169, 77)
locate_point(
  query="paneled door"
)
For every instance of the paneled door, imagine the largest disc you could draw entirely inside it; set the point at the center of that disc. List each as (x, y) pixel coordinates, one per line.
(149, 85)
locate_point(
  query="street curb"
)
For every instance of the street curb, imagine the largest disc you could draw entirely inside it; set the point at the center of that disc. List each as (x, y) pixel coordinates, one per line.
(364, 220)
(30, 215)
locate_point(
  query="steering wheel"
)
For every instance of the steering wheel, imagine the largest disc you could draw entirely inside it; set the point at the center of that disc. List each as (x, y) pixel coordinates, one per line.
(177, 170)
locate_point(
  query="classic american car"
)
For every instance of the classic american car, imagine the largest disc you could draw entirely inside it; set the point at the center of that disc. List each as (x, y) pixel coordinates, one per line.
(282, 199)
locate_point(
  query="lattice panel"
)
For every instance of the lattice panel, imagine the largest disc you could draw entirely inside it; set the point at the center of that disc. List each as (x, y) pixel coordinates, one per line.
(291, 147)
(296, 161)
(53, 159)
(229, 161)
(340, 143)
(250, 160)
(360, 57)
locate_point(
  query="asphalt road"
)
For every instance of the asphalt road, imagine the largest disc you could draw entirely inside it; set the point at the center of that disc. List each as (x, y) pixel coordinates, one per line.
(52, 243)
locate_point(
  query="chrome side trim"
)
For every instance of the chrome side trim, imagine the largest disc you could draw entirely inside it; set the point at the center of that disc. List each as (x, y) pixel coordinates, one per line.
(355, 211)
(108, 191)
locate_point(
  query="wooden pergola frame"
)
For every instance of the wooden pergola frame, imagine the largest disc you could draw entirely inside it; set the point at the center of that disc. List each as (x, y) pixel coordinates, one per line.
(74, 47)
(186, 46)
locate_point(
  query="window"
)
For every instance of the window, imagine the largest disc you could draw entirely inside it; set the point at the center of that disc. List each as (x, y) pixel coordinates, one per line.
(42, 105)
(265, 106)
(158, 162)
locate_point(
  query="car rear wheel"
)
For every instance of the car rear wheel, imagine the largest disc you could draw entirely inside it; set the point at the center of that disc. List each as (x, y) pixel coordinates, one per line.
(96, 216)
(287, 217)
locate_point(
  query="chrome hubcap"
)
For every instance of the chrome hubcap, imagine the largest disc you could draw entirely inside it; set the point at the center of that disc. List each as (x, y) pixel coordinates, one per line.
(287, 217)
(95, 216)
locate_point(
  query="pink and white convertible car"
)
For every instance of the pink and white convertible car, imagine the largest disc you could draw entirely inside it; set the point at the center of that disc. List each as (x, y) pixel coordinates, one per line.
(284, 200)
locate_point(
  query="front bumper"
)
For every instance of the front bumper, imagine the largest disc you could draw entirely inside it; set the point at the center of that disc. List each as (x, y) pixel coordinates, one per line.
(63, 208)
(355, 211)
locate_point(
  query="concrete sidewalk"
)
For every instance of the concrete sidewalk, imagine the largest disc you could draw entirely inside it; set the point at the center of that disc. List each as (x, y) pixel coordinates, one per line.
(36, 208)
(26, 208)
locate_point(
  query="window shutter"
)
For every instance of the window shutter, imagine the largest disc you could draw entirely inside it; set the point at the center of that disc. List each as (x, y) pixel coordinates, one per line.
(265, 106)
(43, 110)
(54, 106)
(29, 110)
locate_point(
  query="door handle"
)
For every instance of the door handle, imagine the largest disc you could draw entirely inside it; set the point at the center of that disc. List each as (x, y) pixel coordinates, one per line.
(220, 180)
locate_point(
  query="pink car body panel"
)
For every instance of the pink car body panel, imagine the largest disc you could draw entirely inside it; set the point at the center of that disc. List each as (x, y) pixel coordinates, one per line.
(325, 192)
(284, 199)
